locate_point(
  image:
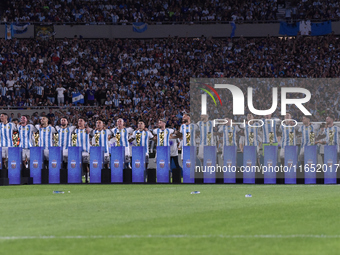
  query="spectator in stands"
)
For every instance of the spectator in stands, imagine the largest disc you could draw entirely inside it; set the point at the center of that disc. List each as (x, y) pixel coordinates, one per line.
(50, 93)
(61, 97)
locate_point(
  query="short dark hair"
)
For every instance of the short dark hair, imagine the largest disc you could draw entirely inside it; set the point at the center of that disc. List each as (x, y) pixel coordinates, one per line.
(64, 117)
(45, 116)
(83, 118)
(102, 120)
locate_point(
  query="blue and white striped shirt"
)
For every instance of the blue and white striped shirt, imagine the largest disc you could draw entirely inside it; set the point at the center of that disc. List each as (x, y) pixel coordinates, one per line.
(40, 90)
(306, 130)
(335, 131)
(286, 130)
(6, 134)
(144, 139)
(103, 138)
(269, 126)
(65, 136)
(4, 91)
(167, 132)
(124, 135)
(226, 130)
(205, 128)
(45, 136)
(115, 18)
(190, 128)
(115, 102)
(26, 136)
(254, 128)
(83, 139)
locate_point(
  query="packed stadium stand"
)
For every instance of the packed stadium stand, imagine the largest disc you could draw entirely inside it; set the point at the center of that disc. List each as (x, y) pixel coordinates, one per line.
(121, 12)
(151, 77)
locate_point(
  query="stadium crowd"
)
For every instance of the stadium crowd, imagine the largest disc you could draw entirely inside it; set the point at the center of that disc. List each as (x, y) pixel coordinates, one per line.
(150, 79)
(122, 12)
(313, 9)
(162, 11)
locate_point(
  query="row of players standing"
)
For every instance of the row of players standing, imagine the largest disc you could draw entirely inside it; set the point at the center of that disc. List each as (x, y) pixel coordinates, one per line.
(267, 131)
(252, 133)
(85, 137)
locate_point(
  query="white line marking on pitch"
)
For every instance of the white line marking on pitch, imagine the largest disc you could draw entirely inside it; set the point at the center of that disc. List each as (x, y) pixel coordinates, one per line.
(169, 236)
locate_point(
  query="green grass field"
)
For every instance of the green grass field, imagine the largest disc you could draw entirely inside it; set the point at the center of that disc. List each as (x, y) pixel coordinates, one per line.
(167, 219)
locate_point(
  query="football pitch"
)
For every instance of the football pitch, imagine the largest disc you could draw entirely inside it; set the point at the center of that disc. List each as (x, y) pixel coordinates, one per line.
(167, 219)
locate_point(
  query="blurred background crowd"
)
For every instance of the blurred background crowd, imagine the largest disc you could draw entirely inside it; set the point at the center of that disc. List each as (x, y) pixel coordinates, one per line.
(166, 11)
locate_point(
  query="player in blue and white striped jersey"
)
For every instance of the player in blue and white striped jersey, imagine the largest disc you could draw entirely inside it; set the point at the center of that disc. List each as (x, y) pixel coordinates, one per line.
(161, 131)
(144, 139)
(229, 130)
(124, 133)
(83, 138)
(306, 129)
(46, 133)
(332, 133)
(288, 134)
(270, 128)
(6, 132)
(188, 127)
(207, 138)
(162, 134)
(26, 132)
(65, 136)
(251, 133)
(104, 138)
(83, 141)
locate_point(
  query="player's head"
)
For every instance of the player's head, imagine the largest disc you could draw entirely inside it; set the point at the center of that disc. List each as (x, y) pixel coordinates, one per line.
(3, 117)
(15, 121)
(81, 123)
(44, 120)
(64, 121)
(120, 123)
(99, 124)
(141, 125)
(250, 116)
(186, 118)
(330, 119)
(23, 120)
(288, 116)
(268, 116)
(306, 120)
(204, 117)
(161, 123)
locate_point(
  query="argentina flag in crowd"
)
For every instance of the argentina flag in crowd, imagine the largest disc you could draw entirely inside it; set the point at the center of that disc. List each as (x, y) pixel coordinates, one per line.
(139, 27)
(15, 28)
(306, 28)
